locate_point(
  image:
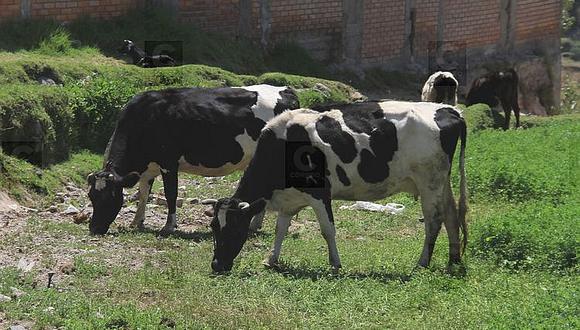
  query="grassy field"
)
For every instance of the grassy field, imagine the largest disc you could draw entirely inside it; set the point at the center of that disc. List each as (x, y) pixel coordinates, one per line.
(522, 269)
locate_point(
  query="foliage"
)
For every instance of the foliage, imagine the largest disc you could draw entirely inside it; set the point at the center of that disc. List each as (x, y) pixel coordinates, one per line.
(511, 165)
(568, 20)
(533, 235)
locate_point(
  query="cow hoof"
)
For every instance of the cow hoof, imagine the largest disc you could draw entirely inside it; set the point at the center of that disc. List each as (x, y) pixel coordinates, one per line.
(166, 231)
(335, 269)
(271, 263)
(137, 226)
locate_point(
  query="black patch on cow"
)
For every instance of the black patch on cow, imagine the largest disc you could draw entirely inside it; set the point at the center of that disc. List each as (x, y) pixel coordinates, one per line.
(342, 176)
(341, 142)
(289, 101)
(268, 170)
(374, 167)
(357, 116)
(199, 124)
(445, 89)
(451, 127)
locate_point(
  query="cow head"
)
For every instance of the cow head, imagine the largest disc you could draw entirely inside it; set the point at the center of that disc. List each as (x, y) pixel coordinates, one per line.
(106, 194)
(127, 47)
(230, 226)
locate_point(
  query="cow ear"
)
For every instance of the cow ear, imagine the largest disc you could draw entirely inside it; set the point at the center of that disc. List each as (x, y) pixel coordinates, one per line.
(130, 179)
(91, 179)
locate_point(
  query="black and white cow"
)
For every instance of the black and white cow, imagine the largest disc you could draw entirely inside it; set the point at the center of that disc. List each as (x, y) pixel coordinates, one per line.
(497, 88)
(209, 132)
(364, 151)
(441, 87)
(140, 58)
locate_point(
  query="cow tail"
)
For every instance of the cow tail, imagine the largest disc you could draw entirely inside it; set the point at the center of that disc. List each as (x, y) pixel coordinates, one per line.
(463, 207)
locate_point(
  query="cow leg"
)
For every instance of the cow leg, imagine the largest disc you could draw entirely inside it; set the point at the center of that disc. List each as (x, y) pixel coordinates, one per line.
(507, 110)
(257, 220)
(451, 223)
(170, 187)
(145, 185)
(282, 225)
(433, 210)
(325, 217)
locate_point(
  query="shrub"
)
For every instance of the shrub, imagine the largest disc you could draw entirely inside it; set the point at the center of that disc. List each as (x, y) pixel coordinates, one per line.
(511, 165)
(480, 117)
(531, 235)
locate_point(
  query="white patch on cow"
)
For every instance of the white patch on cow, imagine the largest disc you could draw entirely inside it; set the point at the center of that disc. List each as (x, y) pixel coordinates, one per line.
(268, 97)
(248, 146)
(152, 171)
(222, 213)
(100, 183)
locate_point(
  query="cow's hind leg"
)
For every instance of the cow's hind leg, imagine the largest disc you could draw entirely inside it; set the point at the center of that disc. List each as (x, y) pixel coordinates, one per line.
(282, 225)
(170, 187)
(145, 185)
(451, 222)
(433, 211)
(323, 210)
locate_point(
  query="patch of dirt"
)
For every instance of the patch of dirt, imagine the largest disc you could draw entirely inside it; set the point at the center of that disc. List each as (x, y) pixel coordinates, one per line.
(6, 203)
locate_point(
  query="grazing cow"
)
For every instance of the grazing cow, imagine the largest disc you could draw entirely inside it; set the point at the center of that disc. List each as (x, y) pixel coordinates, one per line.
(364, 151)
(209, 132)
(140, 58)
(494, 88)
(441, 87)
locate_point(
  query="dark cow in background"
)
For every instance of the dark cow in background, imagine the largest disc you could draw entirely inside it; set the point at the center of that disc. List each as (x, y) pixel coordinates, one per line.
(440, 87)
(497, 88)
(364, 151)
(140, 58)
(209, 132)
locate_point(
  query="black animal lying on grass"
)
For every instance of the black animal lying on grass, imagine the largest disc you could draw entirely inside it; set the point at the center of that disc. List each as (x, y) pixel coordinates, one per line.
(140, 58)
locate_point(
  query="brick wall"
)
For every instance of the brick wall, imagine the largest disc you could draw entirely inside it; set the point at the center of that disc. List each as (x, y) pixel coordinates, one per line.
(9, 9)
(538, 19)
(383, 30)
(212, 15)
(475, 23)
(319, 25)
(65, 10)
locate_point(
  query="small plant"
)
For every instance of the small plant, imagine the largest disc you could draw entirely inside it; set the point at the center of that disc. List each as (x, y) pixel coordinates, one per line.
(58, 43)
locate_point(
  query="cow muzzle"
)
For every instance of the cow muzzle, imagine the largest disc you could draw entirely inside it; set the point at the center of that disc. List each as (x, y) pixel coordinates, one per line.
(218, 267)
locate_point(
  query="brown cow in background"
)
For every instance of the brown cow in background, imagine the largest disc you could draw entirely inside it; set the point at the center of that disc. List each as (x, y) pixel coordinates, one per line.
(494, 88)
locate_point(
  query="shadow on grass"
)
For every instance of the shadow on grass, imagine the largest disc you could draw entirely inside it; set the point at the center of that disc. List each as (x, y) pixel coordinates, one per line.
(196, 236)
(315, 274)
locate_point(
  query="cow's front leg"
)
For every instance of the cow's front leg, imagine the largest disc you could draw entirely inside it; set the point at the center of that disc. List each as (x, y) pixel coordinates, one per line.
(145, 185)
(257, 220)
(170, 187)
(323, 210)
(282, 225)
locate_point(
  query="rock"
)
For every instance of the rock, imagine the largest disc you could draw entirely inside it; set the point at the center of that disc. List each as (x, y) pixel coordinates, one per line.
(4, 298)
(322, 88)
(167, 322)
(81, 217)
(208, 212)
(70, 210)
(16, 292)
(25, 265)
(192, 201)
(67, 267)
(159, 200)
(17, 327)
(179, 202)
(134, 197)
(53, 209)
